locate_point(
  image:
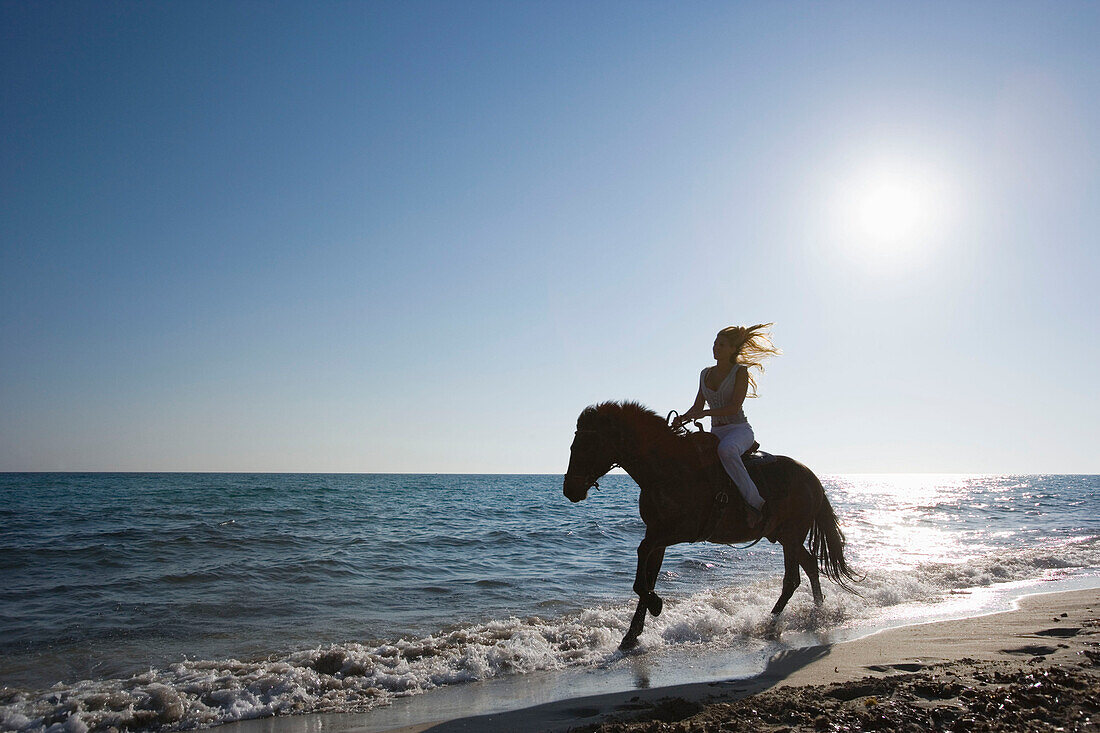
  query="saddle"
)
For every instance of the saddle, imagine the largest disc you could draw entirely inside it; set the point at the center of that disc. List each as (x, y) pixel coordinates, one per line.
(706, 444)
(757, 463)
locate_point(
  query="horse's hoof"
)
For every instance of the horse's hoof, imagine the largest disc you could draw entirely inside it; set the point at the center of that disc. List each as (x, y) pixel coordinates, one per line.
(654, 604)
(771, 629)
(628, 643)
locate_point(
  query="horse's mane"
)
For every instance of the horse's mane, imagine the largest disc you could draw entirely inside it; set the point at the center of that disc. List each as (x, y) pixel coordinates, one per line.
(635, 417)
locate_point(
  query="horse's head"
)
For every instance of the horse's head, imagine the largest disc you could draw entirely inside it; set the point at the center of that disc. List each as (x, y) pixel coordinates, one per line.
(597, 447)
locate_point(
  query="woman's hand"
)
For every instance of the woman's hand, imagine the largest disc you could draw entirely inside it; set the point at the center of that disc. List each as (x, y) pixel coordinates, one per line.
(690, 416)
(695, 412)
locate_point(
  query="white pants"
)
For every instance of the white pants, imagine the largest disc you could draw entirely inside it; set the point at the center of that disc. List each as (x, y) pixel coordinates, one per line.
(733, 440)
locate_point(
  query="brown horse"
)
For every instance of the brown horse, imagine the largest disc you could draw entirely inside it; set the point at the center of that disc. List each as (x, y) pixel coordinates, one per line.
(685, 498)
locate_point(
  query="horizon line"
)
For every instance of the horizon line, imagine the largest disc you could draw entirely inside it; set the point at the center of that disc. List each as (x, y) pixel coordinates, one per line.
(533, 473)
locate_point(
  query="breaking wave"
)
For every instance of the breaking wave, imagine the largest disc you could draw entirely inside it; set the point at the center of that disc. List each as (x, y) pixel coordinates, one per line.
(353, 677)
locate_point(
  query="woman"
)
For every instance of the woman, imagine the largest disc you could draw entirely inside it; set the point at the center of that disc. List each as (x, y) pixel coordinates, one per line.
(724, 387)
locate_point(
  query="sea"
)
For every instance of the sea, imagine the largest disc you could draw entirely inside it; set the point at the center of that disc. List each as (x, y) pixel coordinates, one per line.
(171, 601)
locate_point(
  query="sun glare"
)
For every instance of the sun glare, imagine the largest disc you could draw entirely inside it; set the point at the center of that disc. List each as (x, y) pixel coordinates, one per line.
(890, 211)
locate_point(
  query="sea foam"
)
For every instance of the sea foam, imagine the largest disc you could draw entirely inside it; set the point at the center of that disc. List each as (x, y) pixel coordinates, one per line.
(352, 677)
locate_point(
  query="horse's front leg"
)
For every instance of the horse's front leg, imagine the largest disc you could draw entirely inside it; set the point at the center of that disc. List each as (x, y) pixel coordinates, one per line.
(653, 601)
(650, 556)
(637, 623)
(641, 587)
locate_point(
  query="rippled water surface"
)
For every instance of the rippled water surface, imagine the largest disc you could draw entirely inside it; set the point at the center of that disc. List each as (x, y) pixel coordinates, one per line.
(390, 584)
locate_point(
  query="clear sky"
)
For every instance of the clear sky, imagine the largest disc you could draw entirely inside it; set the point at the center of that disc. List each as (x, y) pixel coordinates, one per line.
(422, 237)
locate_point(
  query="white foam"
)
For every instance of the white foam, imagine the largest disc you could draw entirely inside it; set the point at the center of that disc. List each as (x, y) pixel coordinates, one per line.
(354, 677)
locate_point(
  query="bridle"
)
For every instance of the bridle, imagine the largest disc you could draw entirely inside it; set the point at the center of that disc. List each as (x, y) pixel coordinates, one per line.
(710, 520)
(592, 482)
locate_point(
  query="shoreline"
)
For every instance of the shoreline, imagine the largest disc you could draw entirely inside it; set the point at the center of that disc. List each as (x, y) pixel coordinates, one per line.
(476, 616)
(1057, 631)
(1033, 634)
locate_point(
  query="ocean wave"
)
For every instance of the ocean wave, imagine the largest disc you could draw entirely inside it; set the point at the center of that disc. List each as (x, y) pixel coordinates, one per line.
(354, 677)
(1019, 564)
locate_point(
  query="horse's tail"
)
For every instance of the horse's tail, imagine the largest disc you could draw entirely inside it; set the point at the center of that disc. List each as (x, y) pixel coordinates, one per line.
(827, 545)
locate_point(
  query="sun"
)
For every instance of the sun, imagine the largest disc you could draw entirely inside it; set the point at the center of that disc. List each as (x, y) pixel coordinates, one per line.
(890, 210)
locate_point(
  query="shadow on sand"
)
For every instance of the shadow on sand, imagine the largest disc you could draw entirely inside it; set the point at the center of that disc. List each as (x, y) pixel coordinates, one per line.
(670, 703)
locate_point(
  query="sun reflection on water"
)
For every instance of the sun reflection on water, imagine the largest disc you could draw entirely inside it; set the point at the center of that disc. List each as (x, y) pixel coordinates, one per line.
(902, 520)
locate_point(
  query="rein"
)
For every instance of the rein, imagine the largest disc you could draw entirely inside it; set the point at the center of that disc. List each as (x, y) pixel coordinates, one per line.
(668, 421)
(721, 500)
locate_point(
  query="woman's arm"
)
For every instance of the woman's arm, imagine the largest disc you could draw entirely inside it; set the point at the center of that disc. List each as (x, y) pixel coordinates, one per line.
(696, 410)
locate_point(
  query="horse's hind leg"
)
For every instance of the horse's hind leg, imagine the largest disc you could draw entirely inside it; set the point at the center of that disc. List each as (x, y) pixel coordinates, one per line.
(806, 560)
(791, 578)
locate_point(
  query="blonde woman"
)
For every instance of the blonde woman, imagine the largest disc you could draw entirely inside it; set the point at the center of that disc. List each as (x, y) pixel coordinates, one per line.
(722, 391)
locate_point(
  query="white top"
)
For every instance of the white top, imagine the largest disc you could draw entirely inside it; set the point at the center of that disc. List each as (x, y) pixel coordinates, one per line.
(721, 397)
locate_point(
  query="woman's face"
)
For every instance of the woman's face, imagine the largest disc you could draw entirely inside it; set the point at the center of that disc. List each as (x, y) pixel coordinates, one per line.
(723, 350)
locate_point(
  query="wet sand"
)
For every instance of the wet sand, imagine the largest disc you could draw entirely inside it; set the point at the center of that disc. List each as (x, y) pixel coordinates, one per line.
(1033, 668)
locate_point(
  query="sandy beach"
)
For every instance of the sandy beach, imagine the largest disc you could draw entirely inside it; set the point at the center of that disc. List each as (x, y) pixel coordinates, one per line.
(1033, 668)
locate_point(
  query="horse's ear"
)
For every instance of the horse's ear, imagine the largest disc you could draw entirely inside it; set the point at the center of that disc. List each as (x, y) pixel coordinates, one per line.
(587, 416)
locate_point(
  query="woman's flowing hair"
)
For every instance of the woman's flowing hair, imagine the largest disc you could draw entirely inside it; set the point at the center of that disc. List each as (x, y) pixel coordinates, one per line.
(753, 344)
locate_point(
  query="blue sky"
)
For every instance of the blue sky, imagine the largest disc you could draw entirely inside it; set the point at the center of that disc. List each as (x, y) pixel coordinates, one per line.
(421, 237)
